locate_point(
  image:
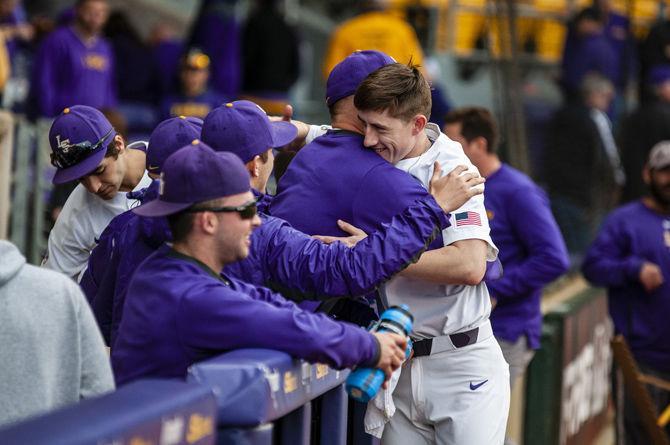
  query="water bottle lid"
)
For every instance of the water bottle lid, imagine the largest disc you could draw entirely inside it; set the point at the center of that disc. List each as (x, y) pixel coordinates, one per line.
(405, 310)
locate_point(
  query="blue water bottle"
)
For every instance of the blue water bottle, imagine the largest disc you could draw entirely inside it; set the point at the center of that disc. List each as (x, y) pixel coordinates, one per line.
(363, 384)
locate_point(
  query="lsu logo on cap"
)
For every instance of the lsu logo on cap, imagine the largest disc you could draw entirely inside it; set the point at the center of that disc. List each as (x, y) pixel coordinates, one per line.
(63, 145)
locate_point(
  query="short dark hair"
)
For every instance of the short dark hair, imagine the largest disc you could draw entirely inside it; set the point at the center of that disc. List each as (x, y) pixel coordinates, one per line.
(264, 156)
(399, 89)
(476, 122)
(112, 150)
(181, 223)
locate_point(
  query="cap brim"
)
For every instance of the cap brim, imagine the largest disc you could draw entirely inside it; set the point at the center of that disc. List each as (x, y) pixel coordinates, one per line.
(283, 133)
(79, 170)
(161, 208)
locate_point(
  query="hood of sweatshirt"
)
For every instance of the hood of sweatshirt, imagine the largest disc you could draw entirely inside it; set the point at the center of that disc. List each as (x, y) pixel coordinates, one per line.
(11, 261)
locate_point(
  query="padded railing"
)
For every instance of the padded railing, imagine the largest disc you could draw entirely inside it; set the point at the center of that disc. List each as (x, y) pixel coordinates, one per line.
(143, 412)
(268, 397)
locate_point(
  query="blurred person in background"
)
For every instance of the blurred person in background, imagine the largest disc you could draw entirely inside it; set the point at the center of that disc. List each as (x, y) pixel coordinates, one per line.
(587, 51)
(166, 52)
(375, 28)
(631, 257)
(135, 77)
(654, 51)
(582, 170)
(216, 31)
(75, 64)
(644, 128)
(194, 97)
(14, 26)
(270, 57)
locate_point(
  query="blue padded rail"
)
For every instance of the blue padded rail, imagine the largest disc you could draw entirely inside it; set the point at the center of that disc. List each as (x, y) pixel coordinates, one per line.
(143, 412)
(255, 386)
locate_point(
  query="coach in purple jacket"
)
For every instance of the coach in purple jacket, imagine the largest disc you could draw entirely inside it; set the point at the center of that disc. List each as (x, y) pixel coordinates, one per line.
(75, 64)
(631, 257)
(180, 310)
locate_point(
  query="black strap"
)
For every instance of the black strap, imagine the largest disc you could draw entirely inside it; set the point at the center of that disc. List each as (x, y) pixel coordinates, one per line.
(461, 339)
(422, 347)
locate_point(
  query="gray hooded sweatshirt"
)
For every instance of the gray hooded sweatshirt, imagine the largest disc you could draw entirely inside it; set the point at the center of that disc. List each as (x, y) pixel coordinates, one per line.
(51, 351)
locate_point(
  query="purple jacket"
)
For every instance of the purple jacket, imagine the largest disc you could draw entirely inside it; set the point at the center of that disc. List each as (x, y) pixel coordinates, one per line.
(67, 72)
(179, 312)
(335, 177)
(280, 257)
(629, 236)
(532, 253)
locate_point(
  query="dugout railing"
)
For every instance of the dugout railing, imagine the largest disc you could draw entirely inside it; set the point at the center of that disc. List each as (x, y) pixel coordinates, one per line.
(248, 396)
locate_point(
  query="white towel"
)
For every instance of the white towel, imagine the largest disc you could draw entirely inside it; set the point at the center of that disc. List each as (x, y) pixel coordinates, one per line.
(381, 408)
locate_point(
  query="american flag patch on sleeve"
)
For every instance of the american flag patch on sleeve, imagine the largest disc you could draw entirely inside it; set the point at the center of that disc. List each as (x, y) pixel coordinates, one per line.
(468, 219)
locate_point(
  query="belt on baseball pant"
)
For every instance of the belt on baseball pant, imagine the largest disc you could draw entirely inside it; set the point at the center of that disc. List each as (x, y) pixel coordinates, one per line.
(434, 345)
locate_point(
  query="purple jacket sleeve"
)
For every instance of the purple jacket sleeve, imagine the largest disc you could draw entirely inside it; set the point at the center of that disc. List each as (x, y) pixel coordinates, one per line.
(214, 316)
(300, 266)
(547, 256)
(608, 261)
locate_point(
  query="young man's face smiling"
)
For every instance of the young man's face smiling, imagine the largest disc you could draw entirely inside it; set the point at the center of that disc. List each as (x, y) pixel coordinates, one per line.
(391, 138)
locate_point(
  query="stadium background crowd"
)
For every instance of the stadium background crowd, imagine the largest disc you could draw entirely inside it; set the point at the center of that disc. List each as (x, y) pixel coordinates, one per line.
(593, 82)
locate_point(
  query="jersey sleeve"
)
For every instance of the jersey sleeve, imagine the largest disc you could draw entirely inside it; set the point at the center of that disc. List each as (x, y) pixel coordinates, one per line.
(72, 237)
(315, 131)
(470, 222)
(216, 317)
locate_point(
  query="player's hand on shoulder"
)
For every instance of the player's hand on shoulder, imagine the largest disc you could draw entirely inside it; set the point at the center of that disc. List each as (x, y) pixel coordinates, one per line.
(391, 352)
(456, 188)
(356, 235)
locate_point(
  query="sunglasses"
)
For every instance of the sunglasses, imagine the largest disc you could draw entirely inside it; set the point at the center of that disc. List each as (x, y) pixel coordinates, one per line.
(246, 211)
(72, 154)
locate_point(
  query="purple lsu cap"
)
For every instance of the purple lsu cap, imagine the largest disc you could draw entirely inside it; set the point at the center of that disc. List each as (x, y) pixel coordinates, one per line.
(242, 127)
(79, 138)
(349, 73)
(193, 174)
(168, 137)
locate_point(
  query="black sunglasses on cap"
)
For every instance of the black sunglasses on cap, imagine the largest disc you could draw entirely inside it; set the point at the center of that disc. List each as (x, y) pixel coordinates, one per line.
(72, 154)
(246, 210)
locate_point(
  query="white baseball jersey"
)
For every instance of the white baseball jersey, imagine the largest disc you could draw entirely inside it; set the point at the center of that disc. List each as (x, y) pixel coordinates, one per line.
(445, 309)
(443, 397)
(80, 223)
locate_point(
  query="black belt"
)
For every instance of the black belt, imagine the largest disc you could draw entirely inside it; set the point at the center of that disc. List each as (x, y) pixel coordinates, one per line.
(461, 339)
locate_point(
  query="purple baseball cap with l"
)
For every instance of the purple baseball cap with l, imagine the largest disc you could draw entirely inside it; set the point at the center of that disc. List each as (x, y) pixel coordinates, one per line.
(79, 138)
(168, 137)
(242, 127)
(193, 174)
(349, 73)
